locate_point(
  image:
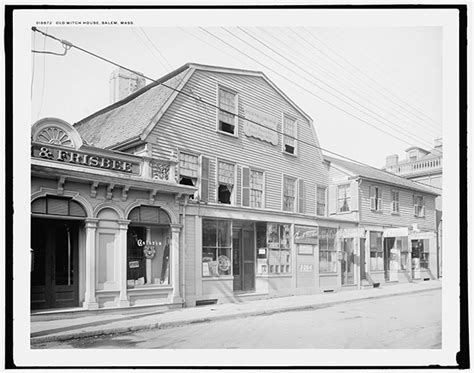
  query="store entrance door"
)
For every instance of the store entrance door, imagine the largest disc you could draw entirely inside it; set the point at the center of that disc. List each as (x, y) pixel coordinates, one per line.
(347, 262)
(244, 260)
(54, 263)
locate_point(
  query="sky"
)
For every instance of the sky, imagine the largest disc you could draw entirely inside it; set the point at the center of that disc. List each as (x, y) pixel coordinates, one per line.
(371, 91)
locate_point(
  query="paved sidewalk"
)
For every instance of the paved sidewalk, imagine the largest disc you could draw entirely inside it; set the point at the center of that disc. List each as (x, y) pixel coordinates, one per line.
(88, 326)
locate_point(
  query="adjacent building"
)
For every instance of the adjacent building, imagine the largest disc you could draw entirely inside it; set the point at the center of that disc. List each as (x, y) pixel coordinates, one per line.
(425, 167)
(396, 239)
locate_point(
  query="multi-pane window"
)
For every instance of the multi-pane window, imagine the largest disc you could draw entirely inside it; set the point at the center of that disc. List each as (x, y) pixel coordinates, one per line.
(327, 250)
(226, 181)
(289, 194)
(321, 201)
(216, 247)
(395, 201)
(227, 110)
(375, 198)
(418, 206)
(343, 198)
(376, 251)
(279, 248)
(289, 137)
(188, 169)
(256, 188)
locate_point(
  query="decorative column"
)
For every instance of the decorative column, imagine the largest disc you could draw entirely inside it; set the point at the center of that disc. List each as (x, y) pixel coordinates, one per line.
(122, 242)
(175, 230)
(90, 301)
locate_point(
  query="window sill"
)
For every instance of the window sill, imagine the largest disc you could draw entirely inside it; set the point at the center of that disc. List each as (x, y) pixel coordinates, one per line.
(275, 275)
(328, 274)
(150, 287)
(344, 212)
(420, 217)
(378, 271)
(290, 154)
(235, 135)
(395, 213)
(377, 211)
(219, 278)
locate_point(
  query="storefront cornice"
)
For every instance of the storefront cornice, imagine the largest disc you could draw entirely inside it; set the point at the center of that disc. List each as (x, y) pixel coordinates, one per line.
(47, 169)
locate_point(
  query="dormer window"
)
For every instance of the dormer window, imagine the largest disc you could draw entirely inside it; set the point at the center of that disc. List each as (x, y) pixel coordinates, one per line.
(227, 109)
(289, 137)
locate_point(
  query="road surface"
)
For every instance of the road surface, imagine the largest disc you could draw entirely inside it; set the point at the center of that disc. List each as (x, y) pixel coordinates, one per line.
(411, 321)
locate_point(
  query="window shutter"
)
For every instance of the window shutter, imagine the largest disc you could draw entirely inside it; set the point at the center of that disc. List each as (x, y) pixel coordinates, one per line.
(245, 186)
(354, 188)
(238, 187)
(332, 199)
(301, 196)
(204, 179)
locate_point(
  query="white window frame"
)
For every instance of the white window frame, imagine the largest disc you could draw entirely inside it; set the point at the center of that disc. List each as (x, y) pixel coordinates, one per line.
(236, 111)
(295, 121)
(395, 203)
(233, 196)
(325, 199)
(348, 198)
(263, 188)
(295, 201)
(376, 201)
(419, 210)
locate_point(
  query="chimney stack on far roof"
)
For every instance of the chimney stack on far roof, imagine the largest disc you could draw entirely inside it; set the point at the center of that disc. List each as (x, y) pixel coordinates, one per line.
(123, 83)
(391, 160)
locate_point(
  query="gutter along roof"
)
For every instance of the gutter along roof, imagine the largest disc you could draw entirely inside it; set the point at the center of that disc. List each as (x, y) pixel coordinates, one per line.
(134, 116)
(373, 174)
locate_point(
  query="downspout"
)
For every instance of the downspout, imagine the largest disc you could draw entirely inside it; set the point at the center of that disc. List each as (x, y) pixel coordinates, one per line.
(359, 283)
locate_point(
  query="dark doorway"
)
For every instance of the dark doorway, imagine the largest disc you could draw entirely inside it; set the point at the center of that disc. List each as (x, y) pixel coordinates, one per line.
(362, 259)
(243, 260)
(54, 263)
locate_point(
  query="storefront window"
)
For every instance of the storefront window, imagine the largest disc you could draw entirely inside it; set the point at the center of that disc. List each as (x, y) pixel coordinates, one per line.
(148, 247)
(216, 247)
(327, 250)
(420, 251)
(279, 248)
(376, 251)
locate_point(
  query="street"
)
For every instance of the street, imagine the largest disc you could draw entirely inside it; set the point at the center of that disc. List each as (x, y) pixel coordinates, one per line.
(407, 321)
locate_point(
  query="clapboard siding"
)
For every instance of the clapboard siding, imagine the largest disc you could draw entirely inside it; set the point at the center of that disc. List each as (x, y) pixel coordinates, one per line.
(405, 217)
(190, 125)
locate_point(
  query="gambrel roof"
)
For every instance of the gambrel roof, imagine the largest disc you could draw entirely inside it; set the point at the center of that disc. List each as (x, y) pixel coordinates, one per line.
(133, 117)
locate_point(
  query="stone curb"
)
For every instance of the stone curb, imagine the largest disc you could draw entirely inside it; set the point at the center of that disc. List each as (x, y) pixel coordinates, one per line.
(235, 315)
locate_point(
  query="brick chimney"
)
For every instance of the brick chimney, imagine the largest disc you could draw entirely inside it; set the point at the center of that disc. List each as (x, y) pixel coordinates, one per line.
(391, 160)
(122, 83)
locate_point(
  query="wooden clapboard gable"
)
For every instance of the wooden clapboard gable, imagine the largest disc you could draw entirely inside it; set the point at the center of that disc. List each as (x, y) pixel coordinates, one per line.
(190, 125)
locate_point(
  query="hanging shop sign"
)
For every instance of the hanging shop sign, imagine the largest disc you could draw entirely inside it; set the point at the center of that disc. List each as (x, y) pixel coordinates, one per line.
(306, 234)
(266, 130)
(86, 159)
(133, 264)
(305, 249)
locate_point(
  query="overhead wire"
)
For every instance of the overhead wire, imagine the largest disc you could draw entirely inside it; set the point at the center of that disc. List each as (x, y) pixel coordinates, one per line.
(407, 133)
(211, 104)
(311, 92)
(346, 71)
(152, 54)
(156, 48)
(373, 80)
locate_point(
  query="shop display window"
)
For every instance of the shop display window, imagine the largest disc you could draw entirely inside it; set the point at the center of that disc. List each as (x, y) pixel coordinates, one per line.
(273, 248)
(420, 250)
(376, 251)
(216, 247)
(148, 247)
(327, 250)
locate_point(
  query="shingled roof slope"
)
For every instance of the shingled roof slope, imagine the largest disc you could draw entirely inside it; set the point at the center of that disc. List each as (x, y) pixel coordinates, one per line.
(373, 173)
(128, 118)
